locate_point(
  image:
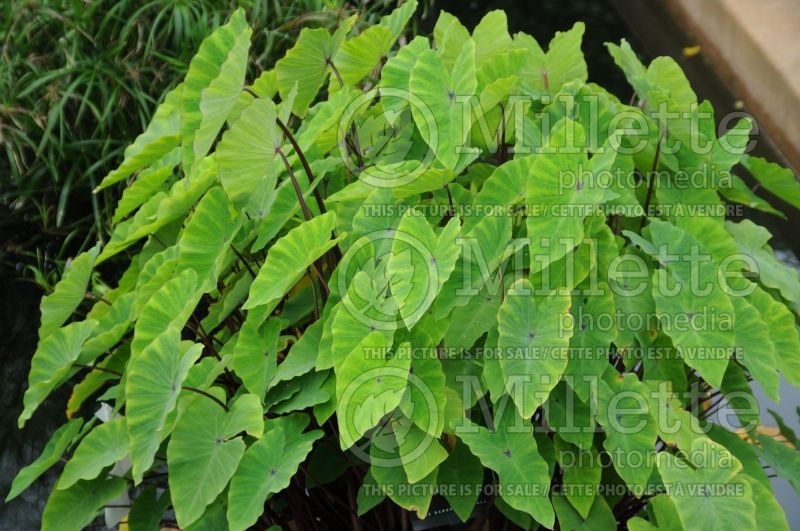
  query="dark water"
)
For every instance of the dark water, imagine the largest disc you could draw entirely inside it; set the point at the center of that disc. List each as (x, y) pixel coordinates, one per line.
(19, 321)
(542, 18)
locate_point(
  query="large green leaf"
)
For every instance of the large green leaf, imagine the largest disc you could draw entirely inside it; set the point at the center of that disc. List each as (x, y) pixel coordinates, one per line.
(255, 355)
(148, 183)
(52, 362)
(148, 510)
(685, 289)
(246, 152)
(630, 427)
(563, 62)
(419, 453)
(212, 86)
(581, 479)
(74, 508)
(511, 451)
(752, 240)
(391, 479)
(397, 71)
(533, 344)
(204, 452)
(784, 460)
(449, 35)
(600, 516)
(707, 492)
(111, 327)
(782, 331)
(397, 20)
(591, 339)
(365, 308)
(420, 263)
(170, 306)
(459, 474)
(267, 467)
(369, 384)
(769, 513)
(207, 236)
(441, 120)
(356, 58)
(779, 180)
(471, 321)
(152, 387)
(58, 306)
(103, 446)
(662, 79)
(304, 68)
(561, 189)
(288, 259)
(162, 209)
(491, 37)
(756, 350)
(569, 416)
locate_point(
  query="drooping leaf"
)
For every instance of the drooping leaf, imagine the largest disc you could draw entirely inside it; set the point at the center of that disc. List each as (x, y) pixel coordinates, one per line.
(289, 258)
(769, 513)
(75, 508)
(103, 446)
(162, 209)
(783, 333)
(600, 516)
(206, 237)
(511, 451)
(780, 181)
(204, 453)
(683, 290)
(710, 495)
(752, 240)
(459, 473)
(419, 453)
(212, 87)
(160, 138)
(784, 460)
(148, 510)
(390, 477)
(152, 386)
(111, 327)
(52, 362)
(267, 467)
(170, 306)
(58, 306)
(630, 427)
(255, 353)
(52, 452)
(369, 384)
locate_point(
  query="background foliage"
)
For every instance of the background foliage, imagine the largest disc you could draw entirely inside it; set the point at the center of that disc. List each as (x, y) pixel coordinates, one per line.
(79, 80)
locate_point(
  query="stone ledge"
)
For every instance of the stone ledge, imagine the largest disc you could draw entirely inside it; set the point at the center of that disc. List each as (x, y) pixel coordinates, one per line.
(755, 48)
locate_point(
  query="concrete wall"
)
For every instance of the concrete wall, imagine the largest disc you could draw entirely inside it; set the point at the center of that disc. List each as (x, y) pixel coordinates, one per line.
(755, 47)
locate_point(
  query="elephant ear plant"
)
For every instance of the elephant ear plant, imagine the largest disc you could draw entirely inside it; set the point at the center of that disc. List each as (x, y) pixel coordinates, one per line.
(393, 278)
